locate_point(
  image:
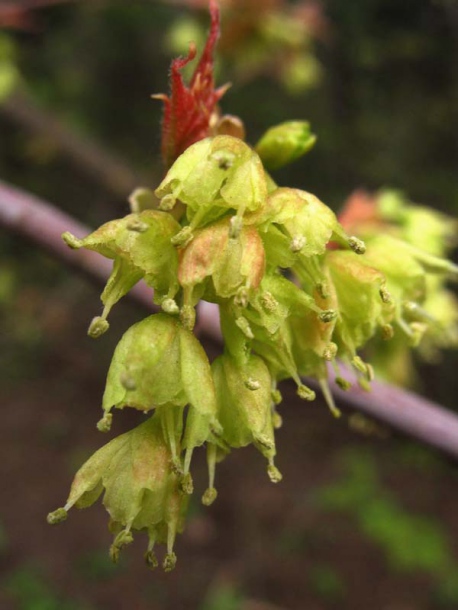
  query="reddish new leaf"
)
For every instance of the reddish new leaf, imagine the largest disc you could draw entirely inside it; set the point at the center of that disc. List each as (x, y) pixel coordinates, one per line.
(188, 110)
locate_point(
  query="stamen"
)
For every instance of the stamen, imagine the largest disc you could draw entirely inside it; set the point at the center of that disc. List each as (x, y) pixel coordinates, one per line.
(72, 242)
(245, 327)
(210, 493)
(274, 474)
(57, 516)
(268, 302)
(104, 424)
(170, 306)
(306, 393)
(357, 245)
(330, 351)
(329, 397)
(98, 327)
(183, 237)
(167, 202)
(343, 383)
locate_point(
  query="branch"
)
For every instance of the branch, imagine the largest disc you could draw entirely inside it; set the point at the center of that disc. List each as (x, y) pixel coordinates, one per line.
(43, 224)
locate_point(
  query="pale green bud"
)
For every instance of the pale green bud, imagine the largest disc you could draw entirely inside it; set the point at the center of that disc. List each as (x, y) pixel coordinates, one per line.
(285, 143)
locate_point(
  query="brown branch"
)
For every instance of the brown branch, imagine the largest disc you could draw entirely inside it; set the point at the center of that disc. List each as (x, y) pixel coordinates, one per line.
(43, 224)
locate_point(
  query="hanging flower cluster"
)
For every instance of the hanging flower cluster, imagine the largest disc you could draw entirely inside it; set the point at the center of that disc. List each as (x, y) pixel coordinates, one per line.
(296, 295)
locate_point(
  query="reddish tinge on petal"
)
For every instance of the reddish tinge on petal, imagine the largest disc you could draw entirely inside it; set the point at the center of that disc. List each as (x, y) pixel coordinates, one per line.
(188, 110)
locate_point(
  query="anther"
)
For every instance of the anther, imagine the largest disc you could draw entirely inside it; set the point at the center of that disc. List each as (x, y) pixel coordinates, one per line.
(72, 241)
(186, 484)
(385, 295)
(330, 351)
(269, 302)
(57, 516)
(387, 332)
(98, 327)
(169, 562)
(297, 243)
(252, 384)
(167, 203)
(236, 226)
(276, 396)
(137, 226)
(182, 238)
(245, 327)
(104, 424)
(343, 383)
(274, 474)
(327, 315)
(357, 245)
(209, 496)
(170, 306)
(306, 393)
(151, 560)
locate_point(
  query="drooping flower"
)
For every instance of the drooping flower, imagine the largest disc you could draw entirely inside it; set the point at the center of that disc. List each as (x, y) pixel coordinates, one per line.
(245, 405)
(159, 363)
(141, 490)
(140, 247)
(234, 180)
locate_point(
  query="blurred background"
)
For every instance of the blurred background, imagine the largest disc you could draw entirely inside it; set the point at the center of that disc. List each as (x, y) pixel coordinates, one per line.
(363, 517)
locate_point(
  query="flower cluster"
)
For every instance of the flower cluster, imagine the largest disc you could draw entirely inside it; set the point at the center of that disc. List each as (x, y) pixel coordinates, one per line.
(431, 322)
(296, 293)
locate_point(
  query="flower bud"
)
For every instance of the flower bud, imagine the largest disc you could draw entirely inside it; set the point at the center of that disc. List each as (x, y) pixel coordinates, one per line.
(285, 143)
